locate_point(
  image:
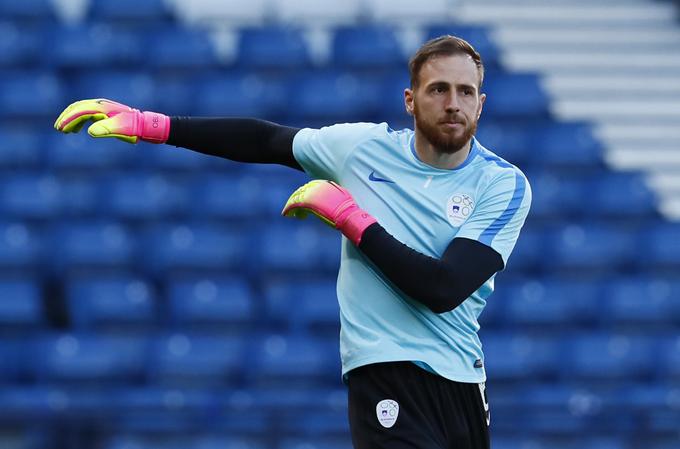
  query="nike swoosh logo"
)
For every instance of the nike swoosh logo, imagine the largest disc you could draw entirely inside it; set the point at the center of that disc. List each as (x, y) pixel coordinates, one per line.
(373, 177)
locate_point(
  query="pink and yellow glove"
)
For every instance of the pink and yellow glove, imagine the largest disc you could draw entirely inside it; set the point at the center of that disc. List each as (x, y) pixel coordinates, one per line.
(331, 203)
(113, 119)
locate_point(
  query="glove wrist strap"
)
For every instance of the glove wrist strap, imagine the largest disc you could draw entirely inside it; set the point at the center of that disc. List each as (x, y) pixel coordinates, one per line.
(155, 127)
(355, 223)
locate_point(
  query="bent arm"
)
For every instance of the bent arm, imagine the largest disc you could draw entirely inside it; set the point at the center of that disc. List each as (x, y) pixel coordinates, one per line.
(237, 139)
(440, 284)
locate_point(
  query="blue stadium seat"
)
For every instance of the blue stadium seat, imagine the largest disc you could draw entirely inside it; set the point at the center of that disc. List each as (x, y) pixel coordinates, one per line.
(167, 158)
(623, 195)
(17, 87)
(87, 358)
(187, 246)
(79, 196)
(19, 46)
(228, 196)
(662, 246)
(559, 196)
(179, 93)
(670, 354)
(507, 139)
(30, 195)
(478, 36)
(210, 302)
(21, 305)
(515, 95)
(117, 302)
(35, 11)
(175, 442)
(79, 152)
(316, 443)
(136, 89)
(280, 182)
(314, 302)
(641, 301)
(362, 47)
(334, 96)
(607, 356)
(82, 244)
(273, 48)
(240, 94)
(20, 147)
(298, 247)
(564, 145)
(181, 48)
(144, 195)
(21, 245)
(208, 359)
(94, 46)
(513, 356)
(131, 12)
(534, 303)
(529, 252)
(290, 360)
(591, 247)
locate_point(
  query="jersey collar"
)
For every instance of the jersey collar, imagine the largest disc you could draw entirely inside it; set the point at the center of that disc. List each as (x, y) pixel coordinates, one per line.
(474, 151)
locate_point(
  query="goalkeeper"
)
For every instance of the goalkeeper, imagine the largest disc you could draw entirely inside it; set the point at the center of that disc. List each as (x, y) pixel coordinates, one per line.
(429, 217)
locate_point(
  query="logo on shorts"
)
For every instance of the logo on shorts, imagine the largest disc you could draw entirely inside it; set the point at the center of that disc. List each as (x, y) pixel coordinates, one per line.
(387, 411)
(459, 207)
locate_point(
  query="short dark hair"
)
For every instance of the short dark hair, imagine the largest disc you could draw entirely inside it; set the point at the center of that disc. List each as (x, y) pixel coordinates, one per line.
(443, 46)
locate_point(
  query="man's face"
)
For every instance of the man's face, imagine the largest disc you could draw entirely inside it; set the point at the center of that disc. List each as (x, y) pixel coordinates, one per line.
(446, 104)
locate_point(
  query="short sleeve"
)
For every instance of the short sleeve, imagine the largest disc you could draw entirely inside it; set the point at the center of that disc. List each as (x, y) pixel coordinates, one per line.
(500, 213)
(322, 152)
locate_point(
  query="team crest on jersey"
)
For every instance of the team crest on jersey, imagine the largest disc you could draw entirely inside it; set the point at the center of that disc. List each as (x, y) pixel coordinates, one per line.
(459, 207)
(387, 411)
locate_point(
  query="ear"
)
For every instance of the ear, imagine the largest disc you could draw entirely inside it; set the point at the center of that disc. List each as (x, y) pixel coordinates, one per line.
(408, 101)
(482, 99)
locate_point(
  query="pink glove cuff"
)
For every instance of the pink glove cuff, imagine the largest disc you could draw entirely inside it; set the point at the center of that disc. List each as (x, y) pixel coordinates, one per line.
(155, 127)
(353, 222)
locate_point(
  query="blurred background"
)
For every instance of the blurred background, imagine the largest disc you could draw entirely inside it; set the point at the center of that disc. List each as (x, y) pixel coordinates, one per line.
(152, 297)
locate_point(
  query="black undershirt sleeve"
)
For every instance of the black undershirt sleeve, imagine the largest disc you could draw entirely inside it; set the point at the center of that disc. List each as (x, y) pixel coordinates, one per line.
(237, 139)
(440, 284)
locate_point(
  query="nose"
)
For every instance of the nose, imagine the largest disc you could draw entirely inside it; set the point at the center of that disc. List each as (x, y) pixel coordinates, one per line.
(452, 105)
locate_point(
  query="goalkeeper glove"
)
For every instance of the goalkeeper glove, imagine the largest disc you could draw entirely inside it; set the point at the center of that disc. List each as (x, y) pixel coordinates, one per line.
(113, 119)
(331, 203)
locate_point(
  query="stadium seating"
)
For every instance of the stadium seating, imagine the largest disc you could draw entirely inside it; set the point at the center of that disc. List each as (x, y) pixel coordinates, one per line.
(153, 297)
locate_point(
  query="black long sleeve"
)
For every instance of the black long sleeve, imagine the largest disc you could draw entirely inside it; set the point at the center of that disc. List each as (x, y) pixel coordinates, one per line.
(237, 139)
(440, 284)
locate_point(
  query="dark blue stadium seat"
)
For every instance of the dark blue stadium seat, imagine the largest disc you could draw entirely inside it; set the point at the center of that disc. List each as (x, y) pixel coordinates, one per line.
(314, 301)
(87, 358)
(178, 442)
(478, 36)
(144, 195)
(539, 302)
(21, 305)
(291, 360)
(79, 152)
(365, 47)
(14, 95)
(558, 196)
(297, 246)
(590, 246)
(641, 301)
(565, 144)
(607, 356)
(229, 196)
(517, 95)
(19, 46)
(275, 48)
(334, 96)
(187, 246)
(94, 46)
(181, 48)
(21, 245)
(30, 195)
(82, 244)
(317, 443)
(669, 350)
(206, 359)
(179, 93)
(512, 356)
(136, 88)
(80, 196)
(36, 11)
(662, 246)
(280, 183)
(202, 302)
(116, 302)
(240, 94)
(508, 139)
(131, 12)
(20, 147)
(529, 252)
(622, 195)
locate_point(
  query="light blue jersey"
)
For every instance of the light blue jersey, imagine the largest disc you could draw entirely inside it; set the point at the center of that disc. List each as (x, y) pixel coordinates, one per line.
(484, 199)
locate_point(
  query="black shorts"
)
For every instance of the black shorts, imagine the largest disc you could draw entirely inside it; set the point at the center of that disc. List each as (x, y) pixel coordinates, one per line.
(399, 405)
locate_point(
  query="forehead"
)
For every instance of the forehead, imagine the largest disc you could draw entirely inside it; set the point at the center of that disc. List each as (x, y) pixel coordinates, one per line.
(453, 69)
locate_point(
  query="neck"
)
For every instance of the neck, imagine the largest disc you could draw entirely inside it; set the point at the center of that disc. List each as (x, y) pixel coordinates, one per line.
(428, 154)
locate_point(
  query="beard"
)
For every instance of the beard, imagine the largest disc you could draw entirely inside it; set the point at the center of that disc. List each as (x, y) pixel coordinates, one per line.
(444, 142)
